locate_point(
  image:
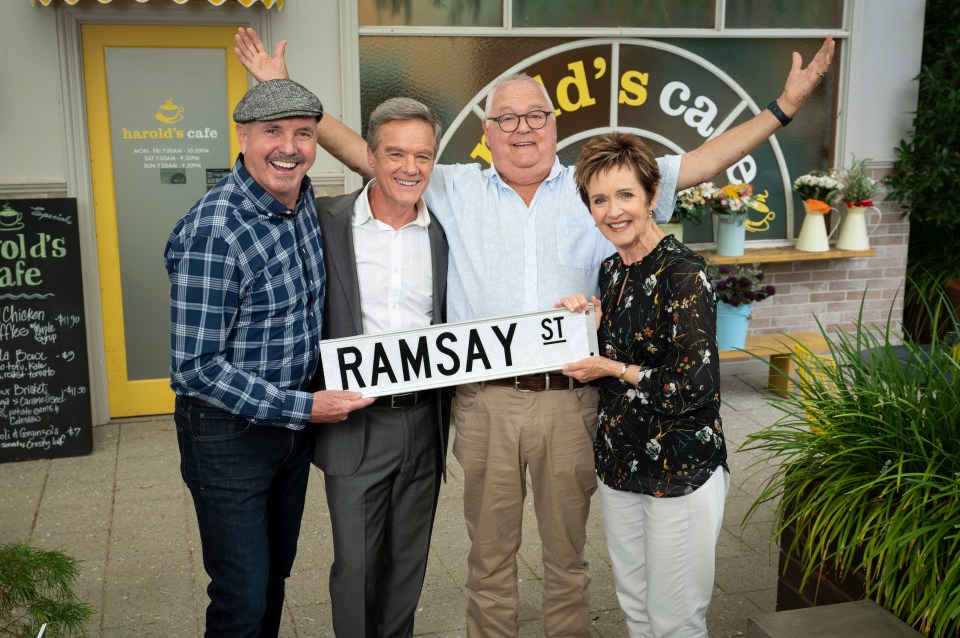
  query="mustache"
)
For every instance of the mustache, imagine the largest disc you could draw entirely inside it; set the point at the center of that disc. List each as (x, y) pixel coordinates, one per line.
(283, 157)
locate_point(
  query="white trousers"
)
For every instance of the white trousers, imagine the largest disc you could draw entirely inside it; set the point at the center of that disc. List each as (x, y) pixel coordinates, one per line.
(663, 556)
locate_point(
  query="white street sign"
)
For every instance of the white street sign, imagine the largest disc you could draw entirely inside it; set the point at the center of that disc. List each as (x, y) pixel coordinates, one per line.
(454, 353)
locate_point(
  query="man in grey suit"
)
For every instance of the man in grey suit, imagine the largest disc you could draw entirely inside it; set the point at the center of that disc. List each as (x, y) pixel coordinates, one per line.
(386, 260)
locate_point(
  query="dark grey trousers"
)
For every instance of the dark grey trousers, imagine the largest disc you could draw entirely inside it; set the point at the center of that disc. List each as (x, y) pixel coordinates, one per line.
(382, 516)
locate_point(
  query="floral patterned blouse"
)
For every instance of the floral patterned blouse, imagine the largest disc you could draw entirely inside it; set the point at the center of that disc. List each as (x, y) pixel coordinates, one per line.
(664, 437)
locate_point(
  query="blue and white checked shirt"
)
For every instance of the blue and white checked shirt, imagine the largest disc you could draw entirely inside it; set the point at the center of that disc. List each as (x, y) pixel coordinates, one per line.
(506, 258)
(246, 301)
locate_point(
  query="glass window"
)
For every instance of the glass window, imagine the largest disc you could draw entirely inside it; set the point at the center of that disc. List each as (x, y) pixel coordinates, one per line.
(430, 13)
(675, 14)
(674, 93)
(784, 14)
(444, 73)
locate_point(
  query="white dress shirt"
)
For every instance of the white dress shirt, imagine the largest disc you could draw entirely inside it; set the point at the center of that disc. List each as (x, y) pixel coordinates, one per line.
(507, 258)
(394, 270)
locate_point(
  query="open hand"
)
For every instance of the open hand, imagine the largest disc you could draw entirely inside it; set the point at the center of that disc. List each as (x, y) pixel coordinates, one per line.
(801, 82)
(253, 56)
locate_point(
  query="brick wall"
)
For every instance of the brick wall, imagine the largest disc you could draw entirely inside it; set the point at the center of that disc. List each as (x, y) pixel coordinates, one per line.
(832, 290)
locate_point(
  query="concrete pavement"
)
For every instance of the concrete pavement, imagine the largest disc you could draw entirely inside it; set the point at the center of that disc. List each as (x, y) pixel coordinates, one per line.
(125, 513)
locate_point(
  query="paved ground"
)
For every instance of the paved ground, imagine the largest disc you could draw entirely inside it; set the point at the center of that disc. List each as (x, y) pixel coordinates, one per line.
(125, 513)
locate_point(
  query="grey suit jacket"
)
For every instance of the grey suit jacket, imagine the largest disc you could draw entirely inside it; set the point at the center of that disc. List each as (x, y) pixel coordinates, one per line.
(339, 446)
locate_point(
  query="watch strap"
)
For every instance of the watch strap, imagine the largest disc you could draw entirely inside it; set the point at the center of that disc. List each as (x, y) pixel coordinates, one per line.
(778, 113)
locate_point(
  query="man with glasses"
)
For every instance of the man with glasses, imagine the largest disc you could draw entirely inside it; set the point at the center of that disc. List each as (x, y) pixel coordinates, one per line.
(520, 239)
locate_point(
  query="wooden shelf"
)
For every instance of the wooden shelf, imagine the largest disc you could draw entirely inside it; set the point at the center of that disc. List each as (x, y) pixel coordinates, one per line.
(783, 253)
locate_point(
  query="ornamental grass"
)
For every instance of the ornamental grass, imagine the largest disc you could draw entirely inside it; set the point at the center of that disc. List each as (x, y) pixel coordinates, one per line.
(867, 470)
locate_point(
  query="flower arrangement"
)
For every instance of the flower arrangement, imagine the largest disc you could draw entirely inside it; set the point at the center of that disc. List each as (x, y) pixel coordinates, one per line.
(858, 187)
(733, 199)
(821, 186)
(739, 284)
(692, 202)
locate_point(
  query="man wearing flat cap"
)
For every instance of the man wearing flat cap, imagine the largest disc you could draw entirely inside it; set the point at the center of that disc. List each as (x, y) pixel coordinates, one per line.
(246, 303)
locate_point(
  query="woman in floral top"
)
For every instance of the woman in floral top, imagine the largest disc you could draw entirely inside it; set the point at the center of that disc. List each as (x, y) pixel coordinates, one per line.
(660, 453)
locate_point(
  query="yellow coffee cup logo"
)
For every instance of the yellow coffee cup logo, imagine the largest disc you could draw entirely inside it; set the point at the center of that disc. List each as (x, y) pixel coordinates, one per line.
(169, 113)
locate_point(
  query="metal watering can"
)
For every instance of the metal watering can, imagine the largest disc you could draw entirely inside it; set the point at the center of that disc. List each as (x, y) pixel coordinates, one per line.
(813, 237)
(854, 234)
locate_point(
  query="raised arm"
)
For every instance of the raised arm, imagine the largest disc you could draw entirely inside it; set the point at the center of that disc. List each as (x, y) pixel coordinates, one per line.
(345, 144)
(723, 151)
(333, 135)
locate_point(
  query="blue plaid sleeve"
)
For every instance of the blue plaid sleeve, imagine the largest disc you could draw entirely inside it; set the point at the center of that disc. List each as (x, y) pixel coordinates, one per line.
(207, 280)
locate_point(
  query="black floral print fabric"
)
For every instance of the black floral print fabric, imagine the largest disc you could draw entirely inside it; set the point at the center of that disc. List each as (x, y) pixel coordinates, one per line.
(664, 437)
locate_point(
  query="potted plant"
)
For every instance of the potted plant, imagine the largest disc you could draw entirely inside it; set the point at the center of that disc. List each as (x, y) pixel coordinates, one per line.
(36, 589)
(864, 487)
(688, 207)
(731, 204)
(857, 187)
(737, 288)
(857, 192)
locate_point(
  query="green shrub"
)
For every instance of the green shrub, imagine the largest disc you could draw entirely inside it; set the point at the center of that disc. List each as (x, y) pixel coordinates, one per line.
(927, 170)
(36, 587)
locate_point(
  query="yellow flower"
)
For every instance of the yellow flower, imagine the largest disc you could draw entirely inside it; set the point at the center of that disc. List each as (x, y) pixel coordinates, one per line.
(736, 191)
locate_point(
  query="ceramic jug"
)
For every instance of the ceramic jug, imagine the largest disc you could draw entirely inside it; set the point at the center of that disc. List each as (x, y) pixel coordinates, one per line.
(813, 236)
(854, 233)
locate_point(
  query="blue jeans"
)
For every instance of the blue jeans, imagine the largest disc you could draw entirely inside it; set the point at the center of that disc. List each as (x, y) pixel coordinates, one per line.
(248, 484)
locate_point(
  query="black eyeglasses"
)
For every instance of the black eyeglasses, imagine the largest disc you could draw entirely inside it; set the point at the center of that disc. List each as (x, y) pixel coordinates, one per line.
(510, 122)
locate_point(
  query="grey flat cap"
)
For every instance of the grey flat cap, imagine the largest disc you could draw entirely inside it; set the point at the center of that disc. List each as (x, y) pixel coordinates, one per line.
(277, 99)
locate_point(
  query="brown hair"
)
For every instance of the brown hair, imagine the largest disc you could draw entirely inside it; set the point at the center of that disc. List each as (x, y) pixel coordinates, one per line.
(401, 109)
(616, 150)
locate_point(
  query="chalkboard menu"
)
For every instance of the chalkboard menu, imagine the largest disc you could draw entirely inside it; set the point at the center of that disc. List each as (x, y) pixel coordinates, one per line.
(44, 381)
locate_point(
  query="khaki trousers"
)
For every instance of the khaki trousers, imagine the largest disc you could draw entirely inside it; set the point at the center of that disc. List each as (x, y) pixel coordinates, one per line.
(503, 434)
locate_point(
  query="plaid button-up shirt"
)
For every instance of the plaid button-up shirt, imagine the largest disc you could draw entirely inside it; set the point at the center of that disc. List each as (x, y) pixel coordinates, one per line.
(246, 301)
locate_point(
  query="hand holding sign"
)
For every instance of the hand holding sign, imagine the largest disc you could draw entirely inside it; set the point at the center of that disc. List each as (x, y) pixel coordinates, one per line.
(594, 367)
(579, 303)
(331, 406)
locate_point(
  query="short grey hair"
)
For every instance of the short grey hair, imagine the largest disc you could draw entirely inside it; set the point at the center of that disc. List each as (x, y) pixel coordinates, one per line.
(515, 78)
(400, 109)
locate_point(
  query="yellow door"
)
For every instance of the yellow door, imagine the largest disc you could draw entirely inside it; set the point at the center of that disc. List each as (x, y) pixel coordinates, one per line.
(159, 101)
